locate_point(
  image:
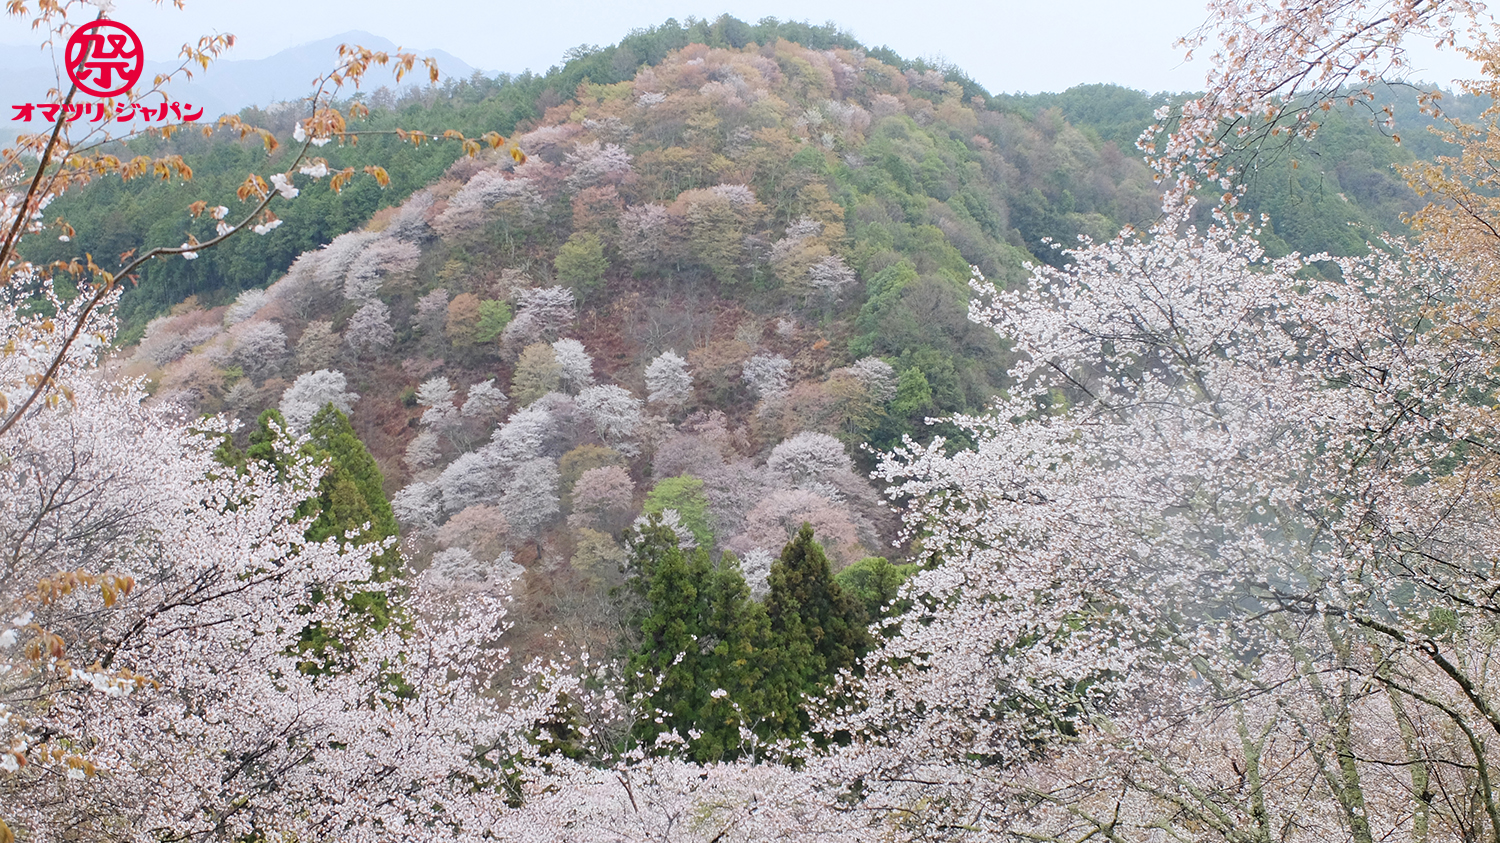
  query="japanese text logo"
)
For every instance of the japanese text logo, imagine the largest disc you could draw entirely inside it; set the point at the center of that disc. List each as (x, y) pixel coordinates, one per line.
(104, 58)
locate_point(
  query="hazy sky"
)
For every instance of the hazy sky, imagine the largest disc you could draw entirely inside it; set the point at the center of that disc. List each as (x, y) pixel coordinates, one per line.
(1006, 45)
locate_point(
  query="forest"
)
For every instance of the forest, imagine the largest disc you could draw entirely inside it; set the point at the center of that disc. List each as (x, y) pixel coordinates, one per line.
(742, 433)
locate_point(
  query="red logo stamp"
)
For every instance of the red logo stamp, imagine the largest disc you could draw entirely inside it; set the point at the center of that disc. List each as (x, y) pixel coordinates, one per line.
(104, 58)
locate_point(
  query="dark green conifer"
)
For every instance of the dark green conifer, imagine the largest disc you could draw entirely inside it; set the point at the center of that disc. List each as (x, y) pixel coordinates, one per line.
(351, 492)
(349, 496)
(817, 630)
(738, 632)
(669, 664)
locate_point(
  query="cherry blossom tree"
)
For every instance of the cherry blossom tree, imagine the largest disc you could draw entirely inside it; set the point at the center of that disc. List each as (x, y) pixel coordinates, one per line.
(489, 194)
(593, 162)
(484, 403)
(424, 450)
(259, 348)
(877, 377)
(382, 258)
(165, 342)
(311, 392)
(150, 679)
(432, 313)
(577, 366)
(830, 276)
(808, 459)
(603, 499)
(419, 505)
(480, 529)
(370, 328)
(616, 413)
(245, 305)
(1185, 516)
(777, 518)
(540, 314)
(668, 380)
(530, 500)
(1272, 74)
(767, 375)
(437, 394)
(646, 236)
(472, 478)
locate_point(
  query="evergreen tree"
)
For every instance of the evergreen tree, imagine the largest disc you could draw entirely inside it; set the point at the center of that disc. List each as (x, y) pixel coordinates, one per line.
(669, 661)
(876, 585)
(703, 641)
(351, 493)
(349, 496)
(817, 630)
(739, 632)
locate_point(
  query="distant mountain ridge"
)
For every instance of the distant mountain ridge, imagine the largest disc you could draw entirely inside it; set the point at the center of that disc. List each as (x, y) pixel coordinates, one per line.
(26, 73)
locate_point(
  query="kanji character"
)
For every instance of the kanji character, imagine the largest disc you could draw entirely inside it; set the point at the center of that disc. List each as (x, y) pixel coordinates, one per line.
(97, 52)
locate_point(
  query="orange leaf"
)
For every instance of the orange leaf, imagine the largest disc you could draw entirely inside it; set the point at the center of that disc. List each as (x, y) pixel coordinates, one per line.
(253, 185)
(340, 179)
(382, 178)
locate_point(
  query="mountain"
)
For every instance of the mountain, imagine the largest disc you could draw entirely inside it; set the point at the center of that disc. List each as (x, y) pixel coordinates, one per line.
(735, 264)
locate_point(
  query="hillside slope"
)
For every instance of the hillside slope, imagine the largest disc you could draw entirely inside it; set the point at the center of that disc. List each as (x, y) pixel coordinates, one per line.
(708, 288)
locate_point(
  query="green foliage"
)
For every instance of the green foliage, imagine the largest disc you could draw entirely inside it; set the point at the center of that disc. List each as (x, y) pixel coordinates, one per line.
(740, 633)
(537, 373)
(685, 495)
(674, 583)
(713, 660)
(1329, 194)
(348, 500)
(493, 317)
(351, 493)
(581, 265)
(875, 583)
(1115, 114)
(817, 630)
(702, 646)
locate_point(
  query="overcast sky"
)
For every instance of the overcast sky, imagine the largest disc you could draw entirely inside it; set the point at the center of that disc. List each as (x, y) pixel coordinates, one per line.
(1006, 45)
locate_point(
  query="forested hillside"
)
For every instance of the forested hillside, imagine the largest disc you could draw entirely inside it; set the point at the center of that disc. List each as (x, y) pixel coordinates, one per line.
(718, 256)
(829, 192)
(1344, 176)
(772, 438)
